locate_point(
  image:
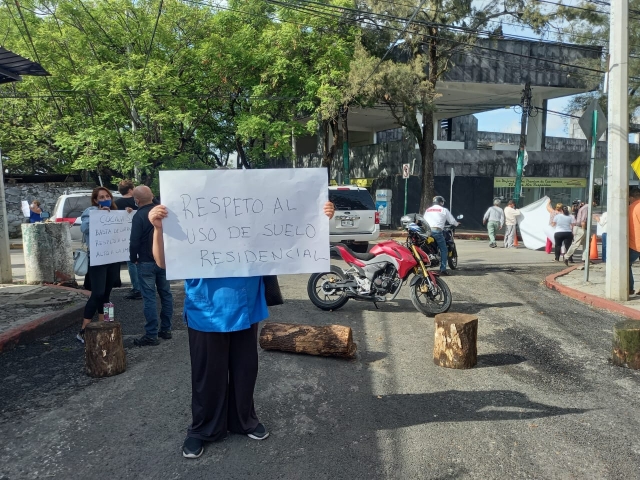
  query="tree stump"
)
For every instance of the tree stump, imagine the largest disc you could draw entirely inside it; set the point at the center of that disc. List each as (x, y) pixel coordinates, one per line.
(626, 344)
(455, 343)
(329, 341)
(103, 350)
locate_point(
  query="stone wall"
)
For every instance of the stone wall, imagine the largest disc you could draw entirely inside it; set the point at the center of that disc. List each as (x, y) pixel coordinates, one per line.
(46, 193)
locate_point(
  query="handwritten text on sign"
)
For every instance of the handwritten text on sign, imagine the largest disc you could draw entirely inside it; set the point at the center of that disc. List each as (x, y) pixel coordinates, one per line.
(240, 223)
(109, 236)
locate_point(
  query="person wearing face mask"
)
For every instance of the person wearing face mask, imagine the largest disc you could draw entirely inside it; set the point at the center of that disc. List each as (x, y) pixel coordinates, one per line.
(103, 277)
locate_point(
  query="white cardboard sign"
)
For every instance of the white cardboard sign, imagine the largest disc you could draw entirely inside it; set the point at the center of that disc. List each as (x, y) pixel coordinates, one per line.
(26, 211)
(242, 223)
(534, 223)
(109, 236)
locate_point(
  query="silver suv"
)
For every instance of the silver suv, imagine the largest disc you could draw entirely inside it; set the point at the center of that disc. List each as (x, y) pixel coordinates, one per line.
(356, 221)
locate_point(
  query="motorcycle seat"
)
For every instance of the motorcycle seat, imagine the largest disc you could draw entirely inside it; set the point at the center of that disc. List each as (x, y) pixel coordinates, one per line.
(360, 256)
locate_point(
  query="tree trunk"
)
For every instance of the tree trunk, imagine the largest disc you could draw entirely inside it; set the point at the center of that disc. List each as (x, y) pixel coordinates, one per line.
(329, 341)
(103, 350)
(626, 344)
(328, 151)
(455, 343)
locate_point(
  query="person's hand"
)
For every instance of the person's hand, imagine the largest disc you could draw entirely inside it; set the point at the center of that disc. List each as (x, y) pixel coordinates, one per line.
(129, 209)
(329, 209)
(157, 214)
(105, 208)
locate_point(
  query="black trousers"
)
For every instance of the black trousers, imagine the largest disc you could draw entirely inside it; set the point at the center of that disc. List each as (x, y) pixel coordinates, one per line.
(224, 369)
(560, 237)
(103, 278)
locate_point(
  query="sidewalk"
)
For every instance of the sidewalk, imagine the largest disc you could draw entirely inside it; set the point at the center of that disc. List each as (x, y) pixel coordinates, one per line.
(570, 282)
(33, 311)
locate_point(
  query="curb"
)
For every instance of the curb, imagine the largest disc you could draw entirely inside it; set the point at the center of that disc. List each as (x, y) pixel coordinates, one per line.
(43, 326)
(459, 236)
(593, 300)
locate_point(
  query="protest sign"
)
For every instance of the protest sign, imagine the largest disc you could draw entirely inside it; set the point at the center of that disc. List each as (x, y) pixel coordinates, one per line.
(240, 223)
(26, 211)
(109, 234)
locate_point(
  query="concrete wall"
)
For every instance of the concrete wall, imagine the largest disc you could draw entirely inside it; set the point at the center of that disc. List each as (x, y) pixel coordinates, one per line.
(46, 193)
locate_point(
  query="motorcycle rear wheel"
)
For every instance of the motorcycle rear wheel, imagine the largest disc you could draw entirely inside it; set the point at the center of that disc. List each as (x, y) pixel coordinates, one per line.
(326, 298)
(428, 303)
(453, 259)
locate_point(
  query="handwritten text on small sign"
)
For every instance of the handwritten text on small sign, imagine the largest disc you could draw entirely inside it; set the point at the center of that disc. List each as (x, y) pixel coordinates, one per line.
(239, 223)
(109, 236)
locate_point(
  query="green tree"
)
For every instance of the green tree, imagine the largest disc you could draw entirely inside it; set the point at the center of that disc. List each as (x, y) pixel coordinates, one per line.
(407, 78)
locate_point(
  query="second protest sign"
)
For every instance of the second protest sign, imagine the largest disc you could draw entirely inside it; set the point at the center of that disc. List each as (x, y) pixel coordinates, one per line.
(109, 235)
(239, 223)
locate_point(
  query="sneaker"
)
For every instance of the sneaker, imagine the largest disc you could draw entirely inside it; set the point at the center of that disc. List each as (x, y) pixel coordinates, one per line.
(445, 273)
(134, 295)
(80, 336)
(145, 341)
(166, 335)
(571, 259)
(566, 262)
(192, 447)
(260, 433)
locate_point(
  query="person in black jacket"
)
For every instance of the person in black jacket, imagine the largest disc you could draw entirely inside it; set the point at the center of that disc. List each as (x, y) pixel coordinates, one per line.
(150, 275)
(127, 202)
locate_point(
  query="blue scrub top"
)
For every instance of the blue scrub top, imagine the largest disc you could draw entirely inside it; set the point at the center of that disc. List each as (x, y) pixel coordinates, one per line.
(224, 304)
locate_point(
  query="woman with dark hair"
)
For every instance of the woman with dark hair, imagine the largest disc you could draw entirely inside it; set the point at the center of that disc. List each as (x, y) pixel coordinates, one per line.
(563, 224)
(103, 277)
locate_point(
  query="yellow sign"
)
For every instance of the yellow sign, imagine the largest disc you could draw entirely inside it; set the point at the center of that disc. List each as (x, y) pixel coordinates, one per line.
(636, 166)
(359, 182)
(532, 182)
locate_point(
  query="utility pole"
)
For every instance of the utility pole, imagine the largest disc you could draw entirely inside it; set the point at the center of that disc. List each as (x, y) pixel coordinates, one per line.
(525, 103)
(345, 145)
(6, 274)
(617, 268)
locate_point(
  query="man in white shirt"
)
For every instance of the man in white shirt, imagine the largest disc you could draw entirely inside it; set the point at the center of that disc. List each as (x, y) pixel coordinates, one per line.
(493, 219)
(437, 216)
(511, 213)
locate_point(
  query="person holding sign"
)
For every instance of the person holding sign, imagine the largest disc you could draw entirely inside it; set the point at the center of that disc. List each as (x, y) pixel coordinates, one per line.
(35, 212)
(222, 315)
(103, 277)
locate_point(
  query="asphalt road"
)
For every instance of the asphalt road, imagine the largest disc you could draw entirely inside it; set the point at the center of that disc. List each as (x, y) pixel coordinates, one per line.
(543, 402)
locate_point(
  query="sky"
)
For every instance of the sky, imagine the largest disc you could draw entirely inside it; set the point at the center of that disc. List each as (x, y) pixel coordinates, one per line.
(508, 121)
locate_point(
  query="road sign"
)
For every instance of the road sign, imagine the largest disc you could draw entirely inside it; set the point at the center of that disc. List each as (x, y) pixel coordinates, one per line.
(586, 120)
(405, 170)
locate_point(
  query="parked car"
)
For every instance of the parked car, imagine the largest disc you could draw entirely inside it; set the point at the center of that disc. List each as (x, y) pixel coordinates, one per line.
(70, 206)
(356, 221)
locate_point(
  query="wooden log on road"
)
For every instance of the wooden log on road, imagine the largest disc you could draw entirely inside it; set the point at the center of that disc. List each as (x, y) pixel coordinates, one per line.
(330, 340)
(626, 344)
(455, 342)
(103, 350)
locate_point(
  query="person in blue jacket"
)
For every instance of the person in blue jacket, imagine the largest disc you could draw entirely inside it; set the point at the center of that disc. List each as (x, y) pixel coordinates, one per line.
(222, 316)
(103, 277)
(35, 212)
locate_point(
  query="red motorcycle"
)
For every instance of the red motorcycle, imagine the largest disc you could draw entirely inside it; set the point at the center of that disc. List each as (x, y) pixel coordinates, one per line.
(381, 272)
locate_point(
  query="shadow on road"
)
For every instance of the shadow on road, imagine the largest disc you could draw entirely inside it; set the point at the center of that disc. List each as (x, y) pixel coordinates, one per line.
(405, 410)
(499, 360)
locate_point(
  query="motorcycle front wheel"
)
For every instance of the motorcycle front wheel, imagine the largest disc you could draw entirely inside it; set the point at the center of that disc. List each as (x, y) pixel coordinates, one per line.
(453, 258)
(428, 302)
(321, 293)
